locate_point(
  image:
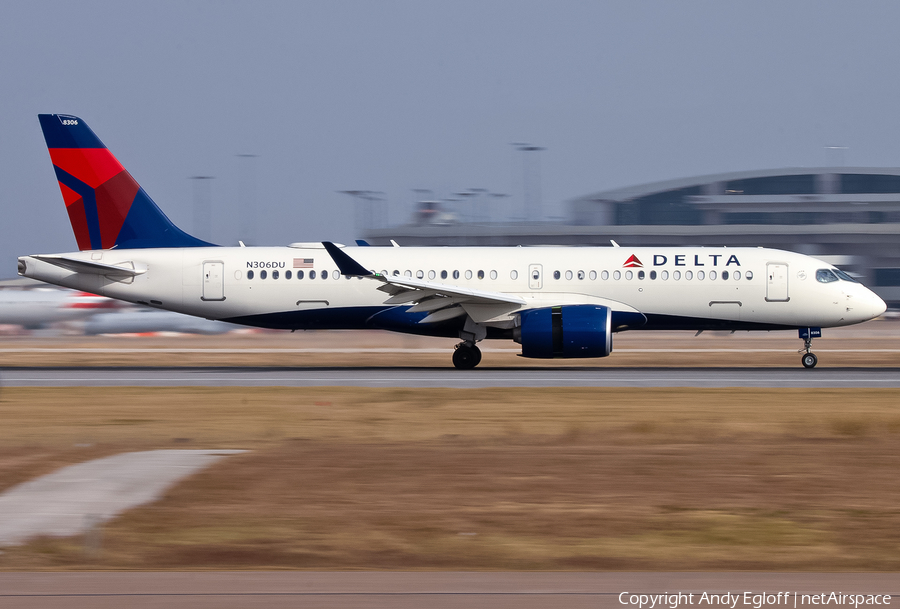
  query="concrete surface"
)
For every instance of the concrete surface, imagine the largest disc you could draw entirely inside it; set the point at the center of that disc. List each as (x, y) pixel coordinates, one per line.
(75, 499)
(822, 377)
(400, 590)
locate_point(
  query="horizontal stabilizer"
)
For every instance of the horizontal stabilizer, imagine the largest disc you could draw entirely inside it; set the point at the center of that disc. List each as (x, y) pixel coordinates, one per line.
(90, 267)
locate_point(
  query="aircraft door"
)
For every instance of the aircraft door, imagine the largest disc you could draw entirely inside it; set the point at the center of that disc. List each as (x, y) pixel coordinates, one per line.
(213, 281)
(777, 282)
(535, 276)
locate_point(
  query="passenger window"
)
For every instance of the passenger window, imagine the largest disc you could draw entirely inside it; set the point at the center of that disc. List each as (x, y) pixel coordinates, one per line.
(604, 275)
(676, 275)
(736, 275)
(481, 274)
(629, 275)
(396, 273)
(312, 274)
(384, 273)
(724, 274)
(262, 274)
(274, 274)
(514, 274)
(287, 274)
(652, 274)
(569, 275)
(468, 274)
(748, 275)
(593, 275)
(456, 274)
(420, 274)
(701, 275)
(407, 273)
(443, 274)
(689, 275)
(825, 276)
(640, 274)
(664, 275)
(556, 275)
(617, 275)
(299, 274)
(493, 274)
(712, 274)
(431, 274)
(249, 274)
(324, 274)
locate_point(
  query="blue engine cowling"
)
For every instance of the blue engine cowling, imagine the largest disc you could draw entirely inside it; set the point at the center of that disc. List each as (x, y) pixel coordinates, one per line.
(565, 331)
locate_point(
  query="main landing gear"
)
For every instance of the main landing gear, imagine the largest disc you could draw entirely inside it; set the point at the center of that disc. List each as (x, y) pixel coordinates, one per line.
(466, 355)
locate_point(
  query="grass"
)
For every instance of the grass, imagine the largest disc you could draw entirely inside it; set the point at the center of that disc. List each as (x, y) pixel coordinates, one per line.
(354, 478)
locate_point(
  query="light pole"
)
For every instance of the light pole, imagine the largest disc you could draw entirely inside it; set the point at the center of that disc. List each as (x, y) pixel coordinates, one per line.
(202, 207)
(365, 201)
(247, 197)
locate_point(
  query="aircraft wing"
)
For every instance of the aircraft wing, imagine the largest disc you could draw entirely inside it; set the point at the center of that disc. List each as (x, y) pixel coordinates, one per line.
(440, 300)
(89, 266)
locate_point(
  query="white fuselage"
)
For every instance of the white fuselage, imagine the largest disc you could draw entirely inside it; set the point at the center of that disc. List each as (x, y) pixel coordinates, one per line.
(682, 288)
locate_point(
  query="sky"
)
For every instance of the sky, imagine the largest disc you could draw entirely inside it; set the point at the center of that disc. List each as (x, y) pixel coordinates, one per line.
(393, 96)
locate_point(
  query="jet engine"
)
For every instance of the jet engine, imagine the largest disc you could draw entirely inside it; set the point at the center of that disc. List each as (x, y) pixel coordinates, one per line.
(565, 331)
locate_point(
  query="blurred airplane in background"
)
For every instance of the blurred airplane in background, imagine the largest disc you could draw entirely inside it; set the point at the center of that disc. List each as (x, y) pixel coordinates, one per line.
(38, 308)
(41, 308)
(148, 321)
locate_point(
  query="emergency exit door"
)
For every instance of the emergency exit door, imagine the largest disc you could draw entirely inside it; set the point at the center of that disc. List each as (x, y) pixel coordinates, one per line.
(535, 276)
(777, 282)
(213, 281)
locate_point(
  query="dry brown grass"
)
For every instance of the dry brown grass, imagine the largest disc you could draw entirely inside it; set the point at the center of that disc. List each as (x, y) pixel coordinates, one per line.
(346, 478)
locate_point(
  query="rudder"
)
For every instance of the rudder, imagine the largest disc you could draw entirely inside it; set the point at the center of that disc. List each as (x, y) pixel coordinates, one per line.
(106, 206)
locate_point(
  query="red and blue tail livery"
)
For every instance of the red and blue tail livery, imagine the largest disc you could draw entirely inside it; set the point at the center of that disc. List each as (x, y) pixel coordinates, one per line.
(107, 207)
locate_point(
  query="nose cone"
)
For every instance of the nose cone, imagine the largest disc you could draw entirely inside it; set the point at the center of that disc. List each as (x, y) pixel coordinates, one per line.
(878, 305)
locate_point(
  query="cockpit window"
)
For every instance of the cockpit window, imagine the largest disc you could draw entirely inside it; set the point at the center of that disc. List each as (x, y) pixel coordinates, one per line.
(844, 275)
(825, 276)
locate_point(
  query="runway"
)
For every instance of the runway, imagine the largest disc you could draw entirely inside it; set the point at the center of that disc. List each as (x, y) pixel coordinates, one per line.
(410, 377)
(439, 590)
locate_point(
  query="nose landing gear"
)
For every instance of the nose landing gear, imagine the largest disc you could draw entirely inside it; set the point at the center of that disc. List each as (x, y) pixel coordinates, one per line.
(809, 359)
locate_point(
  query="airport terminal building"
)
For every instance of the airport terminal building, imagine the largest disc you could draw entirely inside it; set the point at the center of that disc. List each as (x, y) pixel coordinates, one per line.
(848, 216)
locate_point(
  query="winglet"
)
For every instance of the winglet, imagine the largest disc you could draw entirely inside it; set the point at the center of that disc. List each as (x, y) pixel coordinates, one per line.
(346, 264)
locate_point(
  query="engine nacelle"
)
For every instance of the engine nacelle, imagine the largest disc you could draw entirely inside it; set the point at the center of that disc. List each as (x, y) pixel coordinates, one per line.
(565, 331)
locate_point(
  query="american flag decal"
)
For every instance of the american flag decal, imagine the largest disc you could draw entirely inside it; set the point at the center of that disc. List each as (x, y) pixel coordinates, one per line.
(303, 263)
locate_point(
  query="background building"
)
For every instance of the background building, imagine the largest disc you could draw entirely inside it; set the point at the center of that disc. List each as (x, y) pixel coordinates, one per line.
(848, 216)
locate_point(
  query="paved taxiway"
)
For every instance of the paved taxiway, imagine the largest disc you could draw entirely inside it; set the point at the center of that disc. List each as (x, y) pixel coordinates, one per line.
(399, 590)
(436, 377)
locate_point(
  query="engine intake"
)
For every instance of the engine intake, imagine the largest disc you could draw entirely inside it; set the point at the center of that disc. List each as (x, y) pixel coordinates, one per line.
(565, 331)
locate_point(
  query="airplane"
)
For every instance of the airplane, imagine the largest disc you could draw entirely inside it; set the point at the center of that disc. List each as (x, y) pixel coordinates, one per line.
(144, 321)
(37, 308)
(556, 302)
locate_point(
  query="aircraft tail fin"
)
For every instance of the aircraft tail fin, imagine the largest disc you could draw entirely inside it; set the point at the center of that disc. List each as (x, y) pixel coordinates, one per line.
(107, 207)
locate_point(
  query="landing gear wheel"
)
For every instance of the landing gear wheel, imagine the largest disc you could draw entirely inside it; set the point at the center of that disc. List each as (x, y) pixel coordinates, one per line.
(809, 360)
(466, 356)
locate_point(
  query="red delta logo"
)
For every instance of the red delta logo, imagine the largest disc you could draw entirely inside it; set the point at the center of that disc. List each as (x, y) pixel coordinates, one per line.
(632, 262)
